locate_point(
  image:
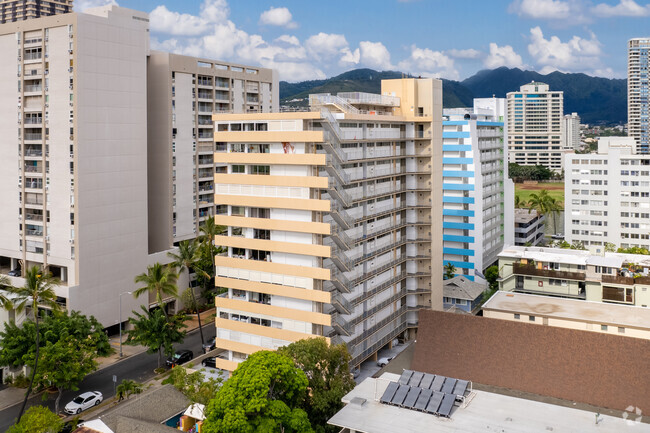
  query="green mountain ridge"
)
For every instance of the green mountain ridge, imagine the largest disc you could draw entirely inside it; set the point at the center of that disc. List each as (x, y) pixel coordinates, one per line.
(597, 100)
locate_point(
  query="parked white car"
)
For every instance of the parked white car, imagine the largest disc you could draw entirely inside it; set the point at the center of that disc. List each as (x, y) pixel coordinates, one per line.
(83, 402)
(383, 361)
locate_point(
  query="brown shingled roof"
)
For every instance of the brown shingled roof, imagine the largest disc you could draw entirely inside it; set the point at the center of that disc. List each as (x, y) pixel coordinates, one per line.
(603, 370)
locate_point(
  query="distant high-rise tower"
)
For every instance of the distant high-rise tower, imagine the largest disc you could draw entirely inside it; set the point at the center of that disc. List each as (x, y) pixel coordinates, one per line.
(637, 92)
(19, 10)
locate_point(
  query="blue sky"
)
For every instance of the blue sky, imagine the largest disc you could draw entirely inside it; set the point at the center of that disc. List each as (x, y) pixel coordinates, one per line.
(309, 39)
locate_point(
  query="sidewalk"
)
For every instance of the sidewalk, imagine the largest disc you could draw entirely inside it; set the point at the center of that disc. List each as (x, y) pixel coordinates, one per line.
(11, 396)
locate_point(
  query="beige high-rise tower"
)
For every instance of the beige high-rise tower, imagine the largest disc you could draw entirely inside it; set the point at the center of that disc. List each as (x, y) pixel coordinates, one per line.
(18, 10)
(334, 220)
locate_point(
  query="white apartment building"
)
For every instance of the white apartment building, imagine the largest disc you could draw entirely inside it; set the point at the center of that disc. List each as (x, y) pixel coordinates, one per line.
(332, 222)
(607, 196)
(478, 196)
(571, 132)
(535, 126)
(105, 143)
(183, 93)
(638, 54)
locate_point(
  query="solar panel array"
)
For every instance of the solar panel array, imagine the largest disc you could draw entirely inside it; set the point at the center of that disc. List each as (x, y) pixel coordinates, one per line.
(425, 392)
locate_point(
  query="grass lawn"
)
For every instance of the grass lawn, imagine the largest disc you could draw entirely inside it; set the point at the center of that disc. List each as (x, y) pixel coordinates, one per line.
(555, 190)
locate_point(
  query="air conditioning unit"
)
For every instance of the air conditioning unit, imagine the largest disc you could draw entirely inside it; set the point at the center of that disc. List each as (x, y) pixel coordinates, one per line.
(70, 51)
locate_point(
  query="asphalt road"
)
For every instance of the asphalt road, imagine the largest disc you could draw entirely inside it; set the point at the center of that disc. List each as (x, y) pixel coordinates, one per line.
(138, 367)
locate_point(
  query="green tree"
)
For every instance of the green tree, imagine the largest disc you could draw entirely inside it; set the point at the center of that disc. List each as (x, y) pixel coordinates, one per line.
(159, 279)
(328, 373)
(539, 202)
(156, 332)
(38, 290)
(195, 386)
(209, 230)
(5, 285)
(634, 250)
(264, 394)
(18, 343)
(449, 271)
(186, 259)
(577, 245)
(128, 387)
(554, 207)
(37, 419)
(518, 202)
(492, 277)
(610, 247)
(64, 365)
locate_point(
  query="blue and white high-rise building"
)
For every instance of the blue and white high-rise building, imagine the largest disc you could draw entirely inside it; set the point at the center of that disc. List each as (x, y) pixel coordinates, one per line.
(638, 55)
(478, 197)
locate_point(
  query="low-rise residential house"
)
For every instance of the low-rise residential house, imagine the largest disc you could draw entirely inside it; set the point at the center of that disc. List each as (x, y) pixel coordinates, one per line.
(460, 293)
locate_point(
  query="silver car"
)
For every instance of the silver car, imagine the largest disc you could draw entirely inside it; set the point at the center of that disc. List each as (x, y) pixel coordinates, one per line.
(83, 402)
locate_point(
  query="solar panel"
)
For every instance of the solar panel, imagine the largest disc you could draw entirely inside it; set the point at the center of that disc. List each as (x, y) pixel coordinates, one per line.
(416, 378)
(400, 395)
(423, 399)
(389, 393)
(446, 405)
(448, 387)
(404, 378)
(437, 383)
(411, 397)
(426, 381)
(434, 403)
(460, 388)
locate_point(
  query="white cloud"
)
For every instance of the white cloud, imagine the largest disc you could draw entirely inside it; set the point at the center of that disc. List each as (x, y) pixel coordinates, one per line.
(278, 17)
(288, 39)
(162, 20)
(545, 9)
(464, 54)
(576, 55)
(502, 56)
(625, 8)
(374, 55)
(349, 57)
(82, 5)
(326, 45)
(429, 63)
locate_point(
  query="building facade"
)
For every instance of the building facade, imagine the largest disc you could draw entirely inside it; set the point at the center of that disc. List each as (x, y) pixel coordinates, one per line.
(610, 277)
(606, 196)
(571, 132)
(535, 126)
(637, 92)
(332, 223)
(477, 193)
(183, 93)
(529, 227)
(19, 10)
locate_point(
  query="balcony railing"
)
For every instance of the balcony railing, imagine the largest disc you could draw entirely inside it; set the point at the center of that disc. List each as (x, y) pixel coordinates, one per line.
(627, 281)
(523, 269)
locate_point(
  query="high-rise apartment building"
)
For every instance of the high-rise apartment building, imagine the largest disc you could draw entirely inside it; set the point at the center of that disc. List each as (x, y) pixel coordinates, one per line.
(535, 126)
(571, 132)
(637, 92)
(607, 196)
(478, 196)
(334, 220)
(19, 10)
(183, 93)
(104, 144)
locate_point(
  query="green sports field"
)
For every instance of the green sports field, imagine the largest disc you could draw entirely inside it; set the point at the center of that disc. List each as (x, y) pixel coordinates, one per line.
(555, 190)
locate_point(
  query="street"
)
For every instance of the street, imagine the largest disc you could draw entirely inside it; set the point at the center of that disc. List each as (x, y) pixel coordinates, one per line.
(138, 367)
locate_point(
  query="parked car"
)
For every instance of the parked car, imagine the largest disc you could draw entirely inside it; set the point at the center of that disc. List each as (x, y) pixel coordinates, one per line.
(83, 402)
(210, 361)
(15, 272)
(382, 362)
(180, 357)
(356, 372)
(210, 345)
(71, 426)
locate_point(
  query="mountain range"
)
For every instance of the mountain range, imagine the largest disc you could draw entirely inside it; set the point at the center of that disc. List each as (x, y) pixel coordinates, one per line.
(596, 100)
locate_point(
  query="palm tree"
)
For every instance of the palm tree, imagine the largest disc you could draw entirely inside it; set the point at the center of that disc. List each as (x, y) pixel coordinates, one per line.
(188, 255)
(554, 207)
(128, 387)
(5, 285)
(450, 271)
(210, 229)
(159, 279)
(38, 290)
(518, 202)
(539, 202)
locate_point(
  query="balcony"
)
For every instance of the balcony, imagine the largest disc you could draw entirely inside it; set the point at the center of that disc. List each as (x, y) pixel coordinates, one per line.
(522, 269)
(33, 136)
(626, 281)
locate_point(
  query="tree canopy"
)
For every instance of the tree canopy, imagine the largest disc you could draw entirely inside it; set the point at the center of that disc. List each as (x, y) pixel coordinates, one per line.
(520, 173)
(264, 394)
(328, 373)
(37, 419)
(155, 332)
(17, 343)
(195, 386)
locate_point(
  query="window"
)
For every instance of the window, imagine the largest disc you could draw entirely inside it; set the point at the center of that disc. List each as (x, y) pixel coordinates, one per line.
(621, 330)
(603, 327)
(618, 294)
(239, 169)
(260, 169)
(517, 316)
(531, 318)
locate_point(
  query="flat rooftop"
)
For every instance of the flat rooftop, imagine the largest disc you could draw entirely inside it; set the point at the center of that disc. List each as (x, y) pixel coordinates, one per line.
(522, 216)
(576, 257)
(486, 412)
(571, 309)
